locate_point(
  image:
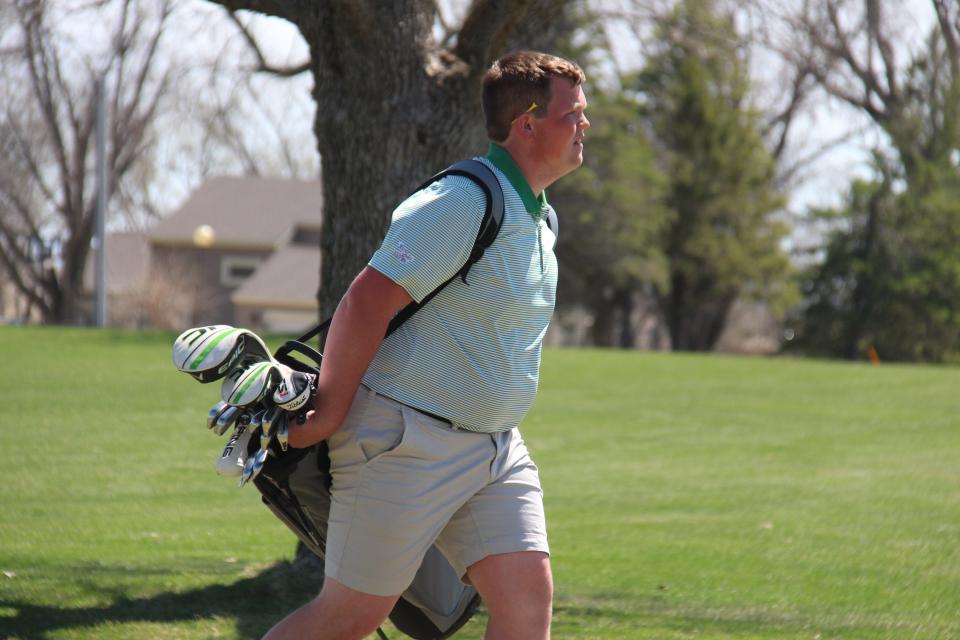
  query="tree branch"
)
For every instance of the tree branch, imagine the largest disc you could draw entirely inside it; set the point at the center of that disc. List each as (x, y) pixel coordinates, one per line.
(485, 29)
(840, 48)
(276, 8)
(37, 64)
(26, 153)
(798, 93)
(14, 266)
(875, 27)
(262, 65)
(951, 30)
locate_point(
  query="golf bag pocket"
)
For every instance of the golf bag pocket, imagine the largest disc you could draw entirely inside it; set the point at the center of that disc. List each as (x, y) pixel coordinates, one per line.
(296, 489)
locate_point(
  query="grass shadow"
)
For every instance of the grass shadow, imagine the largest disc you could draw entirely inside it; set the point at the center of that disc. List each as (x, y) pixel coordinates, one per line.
(256, 603)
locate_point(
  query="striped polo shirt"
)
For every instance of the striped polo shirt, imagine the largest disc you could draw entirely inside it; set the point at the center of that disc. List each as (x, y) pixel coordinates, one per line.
(472, 354)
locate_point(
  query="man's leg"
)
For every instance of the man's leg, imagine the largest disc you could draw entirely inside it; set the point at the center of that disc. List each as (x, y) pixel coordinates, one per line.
(517, 589)
(338, 613)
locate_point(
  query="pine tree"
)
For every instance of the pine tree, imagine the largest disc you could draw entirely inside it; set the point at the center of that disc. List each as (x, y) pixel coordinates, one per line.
(723, 240)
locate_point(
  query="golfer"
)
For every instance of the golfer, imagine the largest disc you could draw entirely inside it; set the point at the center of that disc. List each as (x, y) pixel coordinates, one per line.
(422, 425)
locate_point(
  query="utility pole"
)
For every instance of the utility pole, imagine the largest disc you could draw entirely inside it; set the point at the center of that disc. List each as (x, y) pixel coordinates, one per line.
(99, 234)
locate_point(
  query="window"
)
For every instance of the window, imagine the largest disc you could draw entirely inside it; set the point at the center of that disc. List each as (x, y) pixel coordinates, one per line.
(234, 270)
(306, 236)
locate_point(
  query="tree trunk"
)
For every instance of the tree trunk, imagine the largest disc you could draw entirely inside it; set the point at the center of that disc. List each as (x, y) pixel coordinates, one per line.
(695, 313)
(398, 131)
(394, 105)
(623, 299)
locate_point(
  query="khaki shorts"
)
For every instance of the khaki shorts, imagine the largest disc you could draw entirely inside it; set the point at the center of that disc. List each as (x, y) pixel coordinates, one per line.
(403, 481)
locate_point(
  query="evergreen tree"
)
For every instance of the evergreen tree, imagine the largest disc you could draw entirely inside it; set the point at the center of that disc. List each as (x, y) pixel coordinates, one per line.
(723, 239)
(611, 217)
(890, 278)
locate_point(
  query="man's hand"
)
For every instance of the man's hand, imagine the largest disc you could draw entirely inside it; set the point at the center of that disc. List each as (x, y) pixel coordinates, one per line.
(312, 431)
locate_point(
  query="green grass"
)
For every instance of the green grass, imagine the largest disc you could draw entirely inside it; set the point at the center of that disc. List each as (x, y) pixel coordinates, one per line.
(687, 496)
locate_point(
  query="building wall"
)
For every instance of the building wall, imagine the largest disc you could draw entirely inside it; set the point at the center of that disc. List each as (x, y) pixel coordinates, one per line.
(291, 321)
(200, 279)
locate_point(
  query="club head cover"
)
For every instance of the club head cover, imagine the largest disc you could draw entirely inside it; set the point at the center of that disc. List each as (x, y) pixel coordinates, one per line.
(250, 382)
(295, 389)
(209, 353)
(234, 454)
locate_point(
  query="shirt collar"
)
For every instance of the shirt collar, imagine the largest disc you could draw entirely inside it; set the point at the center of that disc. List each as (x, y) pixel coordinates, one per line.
(501, 159)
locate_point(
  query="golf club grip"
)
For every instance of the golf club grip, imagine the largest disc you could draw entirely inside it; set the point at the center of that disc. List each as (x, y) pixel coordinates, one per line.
(302, 349)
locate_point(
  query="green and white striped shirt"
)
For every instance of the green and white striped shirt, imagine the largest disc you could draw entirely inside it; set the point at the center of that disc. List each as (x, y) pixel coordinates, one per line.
(472, 354)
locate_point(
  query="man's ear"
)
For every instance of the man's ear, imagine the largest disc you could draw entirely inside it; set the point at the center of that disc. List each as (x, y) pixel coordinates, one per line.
(526, 125)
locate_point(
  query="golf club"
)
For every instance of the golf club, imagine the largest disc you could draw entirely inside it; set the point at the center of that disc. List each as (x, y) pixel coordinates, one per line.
(226, 419)
(248, 383)
(214, 413)
(233, 457)
(209, 353)
(283, 430)
(269, 417)
(253, 466)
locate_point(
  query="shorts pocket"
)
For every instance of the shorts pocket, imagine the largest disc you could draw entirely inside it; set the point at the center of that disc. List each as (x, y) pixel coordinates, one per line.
(383, 431)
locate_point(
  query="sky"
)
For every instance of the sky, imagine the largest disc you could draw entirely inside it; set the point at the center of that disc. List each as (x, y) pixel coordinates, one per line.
(823, 124)
(203, 33)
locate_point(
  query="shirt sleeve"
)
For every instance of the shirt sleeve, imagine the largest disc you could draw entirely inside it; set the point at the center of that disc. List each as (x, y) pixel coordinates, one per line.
(431, 235)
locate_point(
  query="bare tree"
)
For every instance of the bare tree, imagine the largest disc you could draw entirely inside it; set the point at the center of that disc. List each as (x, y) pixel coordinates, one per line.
(47, 198)
(856, 51)
(395, 102)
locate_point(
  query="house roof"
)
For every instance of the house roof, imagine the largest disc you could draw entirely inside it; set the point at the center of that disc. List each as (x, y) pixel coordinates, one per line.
(289, 278)
(127, 265)
(244, 212)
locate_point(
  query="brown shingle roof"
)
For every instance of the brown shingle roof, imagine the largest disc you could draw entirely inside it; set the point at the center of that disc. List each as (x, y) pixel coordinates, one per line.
(244, 212)
(289, 278)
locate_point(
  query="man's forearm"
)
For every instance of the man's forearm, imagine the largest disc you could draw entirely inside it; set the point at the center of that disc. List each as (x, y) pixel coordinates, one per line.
(355, 335)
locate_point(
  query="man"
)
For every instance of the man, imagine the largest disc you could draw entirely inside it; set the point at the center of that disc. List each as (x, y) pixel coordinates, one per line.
(422, 426)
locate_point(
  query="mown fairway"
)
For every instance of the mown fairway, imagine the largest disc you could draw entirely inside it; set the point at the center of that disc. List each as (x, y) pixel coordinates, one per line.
(688, 497)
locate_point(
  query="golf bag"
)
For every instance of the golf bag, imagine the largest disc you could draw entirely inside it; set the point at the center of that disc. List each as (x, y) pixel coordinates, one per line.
(295, 483)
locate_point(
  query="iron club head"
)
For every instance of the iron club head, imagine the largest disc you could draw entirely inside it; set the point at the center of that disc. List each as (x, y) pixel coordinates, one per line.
(283, 431)
(253, 466)
(226, 419)
(214, 413)
(234, 455)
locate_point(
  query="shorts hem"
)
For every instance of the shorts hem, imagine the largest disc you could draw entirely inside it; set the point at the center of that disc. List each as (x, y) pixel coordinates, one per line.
(514, 546)
(365, 584)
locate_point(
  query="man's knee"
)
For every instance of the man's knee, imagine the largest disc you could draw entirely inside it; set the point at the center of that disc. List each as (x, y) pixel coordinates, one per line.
(517, 589)
(359, 613)
(338, 613)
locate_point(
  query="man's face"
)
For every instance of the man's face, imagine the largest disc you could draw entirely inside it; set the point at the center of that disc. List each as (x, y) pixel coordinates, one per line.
(559, 134)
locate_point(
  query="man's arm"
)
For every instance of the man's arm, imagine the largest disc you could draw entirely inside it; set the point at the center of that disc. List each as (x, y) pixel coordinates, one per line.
(355, 335)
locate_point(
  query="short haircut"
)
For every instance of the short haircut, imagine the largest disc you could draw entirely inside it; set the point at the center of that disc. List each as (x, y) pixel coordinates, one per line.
(518, 80)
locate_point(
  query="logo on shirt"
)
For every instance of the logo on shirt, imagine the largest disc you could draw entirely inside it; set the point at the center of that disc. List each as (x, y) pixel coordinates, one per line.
(402, 253)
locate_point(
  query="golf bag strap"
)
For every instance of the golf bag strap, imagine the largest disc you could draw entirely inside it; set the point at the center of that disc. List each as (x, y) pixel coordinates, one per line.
(493, 214)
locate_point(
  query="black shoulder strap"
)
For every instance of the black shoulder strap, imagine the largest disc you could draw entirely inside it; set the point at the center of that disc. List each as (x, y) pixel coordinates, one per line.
(489, 227)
